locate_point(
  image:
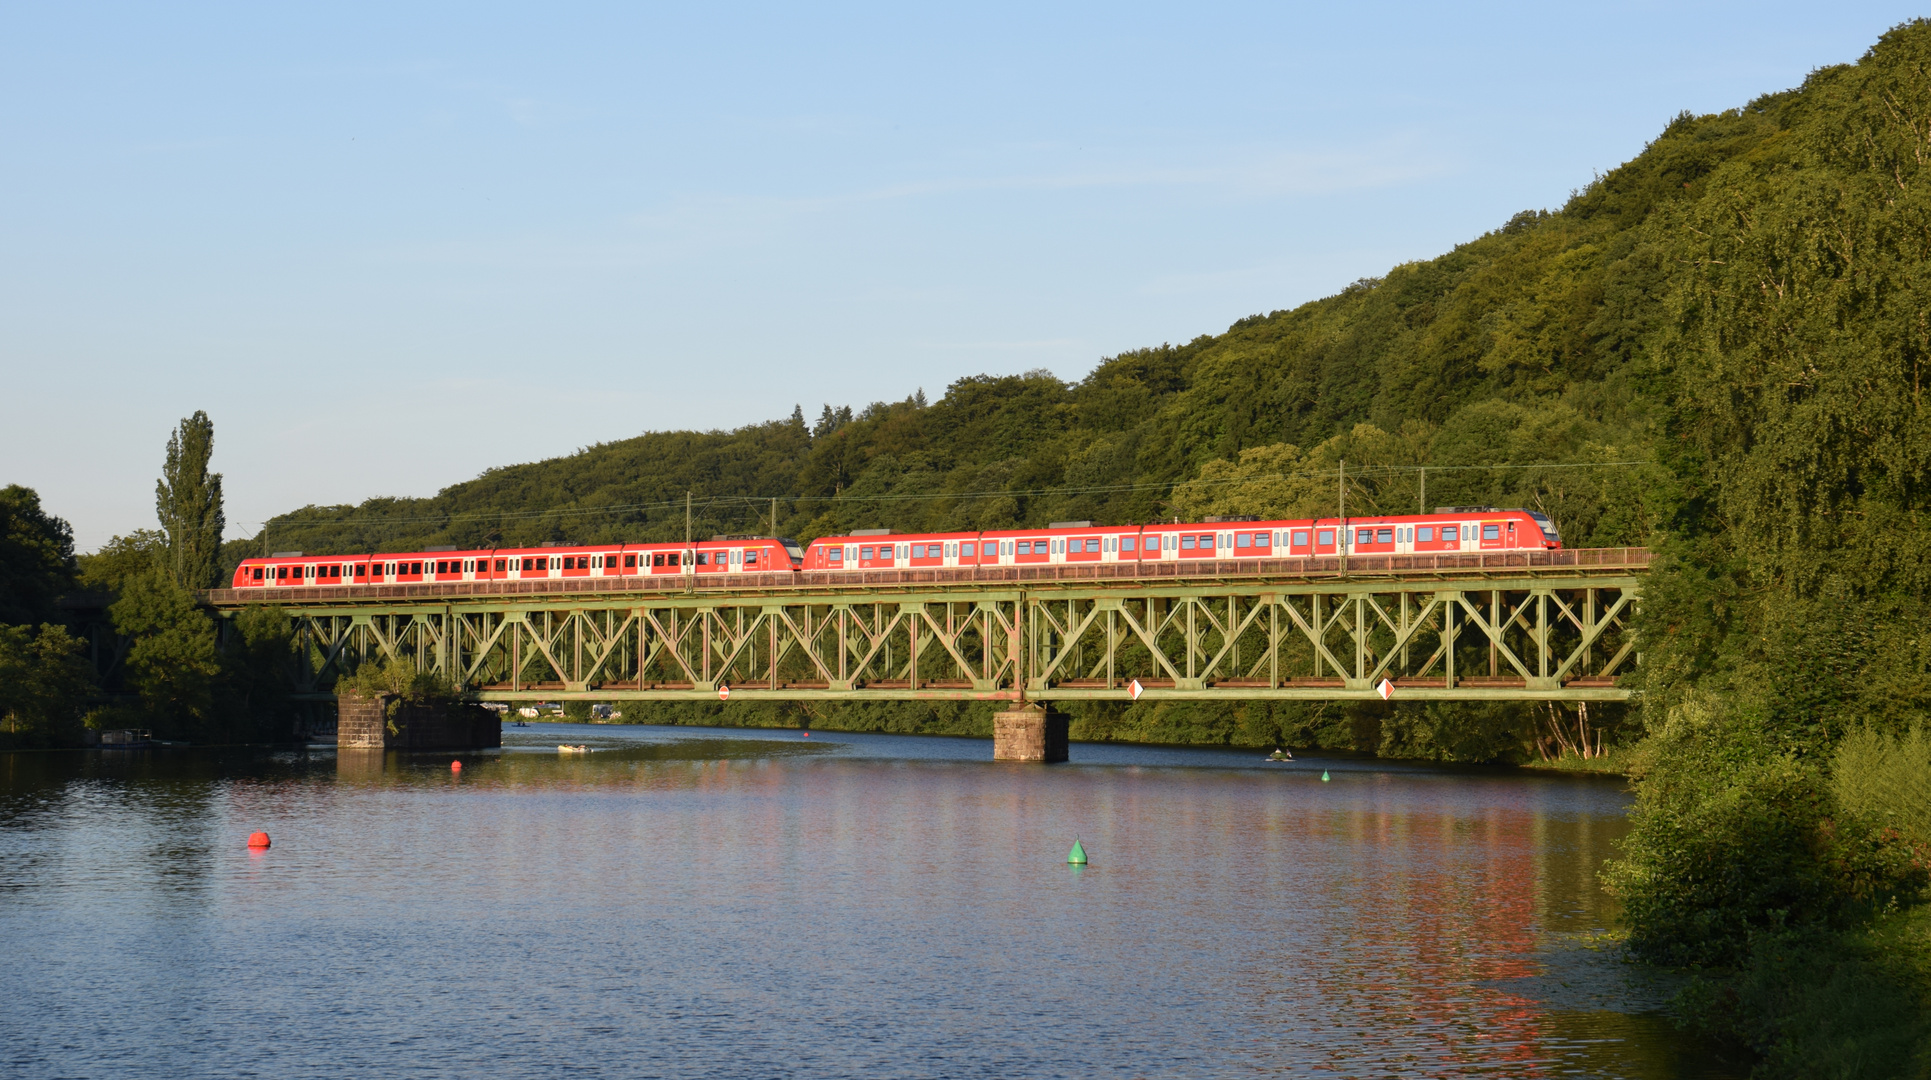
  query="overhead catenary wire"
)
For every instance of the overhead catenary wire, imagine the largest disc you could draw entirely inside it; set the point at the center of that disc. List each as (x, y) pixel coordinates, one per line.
(1358, 472)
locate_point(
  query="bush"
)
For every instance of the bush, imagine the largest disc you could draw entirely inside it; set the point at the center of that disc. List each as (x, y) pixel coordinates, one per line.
(1886, 781)
(1734, 839)
(401, 682)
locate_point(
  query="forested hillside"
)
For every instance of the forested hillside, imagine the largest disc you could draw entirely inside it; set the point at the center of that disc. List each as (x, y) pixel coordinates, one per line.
(1522, 347)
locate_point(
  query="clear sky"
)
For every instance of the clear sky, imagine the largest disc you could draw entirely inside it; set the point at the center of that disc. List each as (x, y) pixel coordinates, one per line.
(387, 246)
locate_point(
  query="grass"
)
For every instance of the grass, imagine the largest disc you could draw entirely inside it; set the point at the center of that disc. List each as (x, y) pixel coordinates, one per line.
(1615, 759)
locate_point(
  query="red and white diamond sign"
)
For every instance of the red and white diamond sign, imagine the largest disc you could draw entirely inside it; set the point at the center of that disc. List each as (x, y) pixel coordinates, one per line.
(1134, 690)
(723, 693)
(1386, 689)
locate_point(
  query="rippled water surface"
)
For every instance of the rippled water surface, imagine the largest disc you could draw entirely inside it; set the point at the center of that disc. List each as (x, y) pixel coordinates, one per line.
(686, 902)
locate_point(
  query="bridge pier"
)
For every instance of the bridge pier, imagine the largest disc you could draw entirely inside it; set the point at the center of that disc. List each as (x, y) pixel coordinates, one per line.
(1029, 733)
(364, 723)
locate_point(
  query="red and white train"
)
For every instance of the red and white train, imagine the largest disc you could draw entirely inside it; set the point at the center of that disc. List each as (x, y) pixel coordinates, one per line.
(1449, 529)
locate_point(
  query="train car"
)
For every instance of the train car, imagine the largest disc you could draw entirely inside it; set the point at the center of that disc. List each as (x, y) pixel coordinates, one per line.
(718, 555)
(1063, 543)
(1449, 529)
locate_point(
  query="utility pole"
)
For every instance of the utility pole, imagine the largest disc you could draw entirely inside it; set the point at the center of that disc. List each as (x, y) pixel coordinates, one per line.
(1341, 508)
(774, 519)
(687, 518)
(1424, 491)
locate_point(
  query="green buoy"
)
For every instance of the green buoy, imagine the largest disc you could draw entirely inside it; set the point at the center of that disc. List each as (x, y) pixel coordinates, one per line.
(1077, 856)
(1324, 776)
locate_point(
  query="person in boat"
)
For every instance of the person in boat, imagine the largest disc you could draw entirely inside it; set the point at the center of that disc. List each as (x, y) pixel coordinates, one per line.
(1281, 754)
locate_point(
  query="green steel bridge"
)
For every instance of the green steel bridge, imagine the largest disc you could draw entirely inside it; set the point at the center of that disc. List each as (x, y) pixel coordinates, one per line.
(1546, 626)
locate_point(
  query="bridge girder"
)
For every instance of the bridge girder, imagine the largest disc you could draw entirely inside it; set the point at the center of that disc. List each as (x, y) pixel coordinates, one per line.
(1550, 636)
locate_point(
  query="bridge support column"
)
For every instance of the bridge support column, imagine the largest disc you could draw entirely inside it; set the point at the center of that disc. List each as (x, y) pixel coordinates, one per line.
(1029, 733)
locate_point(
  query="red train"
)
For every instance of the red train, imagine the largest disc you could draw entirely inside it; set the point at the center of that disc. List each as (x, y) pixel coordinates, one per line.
(1449, 529)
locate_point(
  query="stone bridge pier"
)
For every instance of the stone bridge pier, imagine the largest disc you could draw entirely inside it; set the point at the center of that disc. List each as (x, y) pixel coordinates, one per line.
(1029, 733)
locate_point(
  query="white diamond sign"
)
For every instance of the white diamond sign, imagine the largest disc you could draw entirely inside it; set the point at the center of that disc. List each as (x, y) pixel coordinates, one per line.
(1135, 690)
(724, 693)
(1386, 689)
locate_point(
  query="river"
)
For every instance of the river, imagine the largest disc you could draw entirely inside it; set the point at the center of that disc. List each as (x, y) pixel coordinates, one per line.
(686, 902)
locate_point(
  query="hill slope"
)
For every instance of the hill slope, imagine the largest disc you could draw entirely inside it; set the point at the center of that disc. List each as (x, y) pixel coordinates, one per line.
(1519, 347)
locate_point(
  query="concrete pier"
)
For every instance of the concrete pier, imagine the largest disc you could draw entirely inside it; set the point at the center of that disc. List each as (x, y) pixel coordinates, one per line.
(1029, 733)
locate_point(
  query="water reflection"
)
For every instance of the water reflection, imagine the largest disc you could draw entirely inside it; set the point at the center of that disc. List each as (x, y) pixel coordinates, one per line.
(682, 902)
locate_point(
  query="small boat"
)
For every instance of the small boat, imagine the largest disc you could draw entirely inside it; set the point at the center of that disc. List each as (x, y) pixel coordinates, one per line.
(572, 749)
(1281, 755)
(521, 723)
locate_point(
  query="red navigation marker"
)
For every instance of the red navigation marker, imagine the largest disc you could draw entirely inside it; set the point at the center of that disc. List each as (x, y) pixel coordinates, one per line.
(1134, 690)
(258, 840)
(1386, 689)
(724, 693)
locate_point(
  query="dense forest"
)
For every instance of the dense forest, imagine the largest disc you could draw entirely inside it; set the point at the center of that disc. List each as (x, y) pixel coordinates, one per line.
(1718, 349)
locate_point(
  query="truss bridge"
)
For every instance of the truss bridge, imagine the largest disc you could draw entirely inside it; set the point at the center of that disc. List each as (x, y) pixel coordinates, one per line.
(1544, 625)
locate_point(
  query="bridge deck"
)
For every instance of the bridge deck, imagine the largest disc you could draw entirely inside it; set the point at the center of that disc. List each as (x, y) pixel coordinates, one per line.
(1361, 569)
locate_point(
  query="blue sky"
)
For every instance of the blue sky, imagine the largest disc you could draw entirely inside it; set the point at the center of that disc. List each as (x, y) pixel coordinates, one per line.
(389, 246)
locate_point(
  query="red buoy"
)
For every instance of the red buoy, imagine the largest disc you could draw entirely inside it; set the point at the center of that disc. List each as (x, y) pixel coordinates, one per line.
(258, 839)
(455, 766)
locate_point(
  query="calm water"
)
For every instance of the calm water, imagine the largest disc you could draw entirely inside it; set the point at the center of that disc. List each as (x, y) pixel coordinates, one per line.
(691, 903)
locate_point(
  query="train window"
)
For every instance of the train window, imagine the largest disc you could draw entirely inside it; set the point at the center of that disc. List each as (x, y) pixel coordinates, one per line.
(657, 558)
(750, 558)
(865, 553)
(1186, 543)
(335, 571)
(1324, 537)
(1129, 543)
(1299, 538)
(1491, 532)
(257, 573)
(918, 551)
(1384, 536)
(1427, 534)
(630, 562)
(1242, 540)
(836, 555)
(1364, 536)
(967, 551)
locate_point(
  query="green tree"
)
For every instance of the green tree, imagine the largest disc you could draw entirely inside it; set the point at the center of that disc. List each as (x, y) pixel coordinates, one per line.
(123, 559)
(188, 500)
(36, 558)
(258, 671)
(45, 681)
(172, 662)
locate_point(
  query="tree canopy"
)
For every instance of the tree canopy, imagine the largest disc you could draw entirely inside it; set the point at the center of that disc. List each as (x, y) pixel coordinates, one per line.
(37, 561)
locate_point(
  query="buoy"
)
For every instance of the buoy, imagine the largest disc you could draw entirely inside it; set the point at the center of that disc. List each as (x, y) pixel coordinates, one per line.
(455, 766)
(807, 734)
(1077, 856)
(1324, 776)
(257, 839)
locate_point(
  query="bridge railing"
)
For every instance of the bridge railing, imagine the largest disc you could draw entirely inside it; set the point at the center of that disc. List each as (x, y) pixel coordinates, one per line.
(1447, 565)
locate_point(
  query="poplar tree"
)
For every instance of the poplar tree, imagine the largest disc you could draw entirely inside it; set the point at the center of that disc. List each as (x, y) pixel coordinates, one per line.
(188, 500)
